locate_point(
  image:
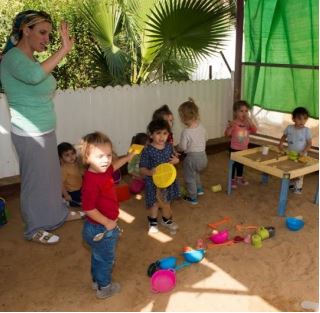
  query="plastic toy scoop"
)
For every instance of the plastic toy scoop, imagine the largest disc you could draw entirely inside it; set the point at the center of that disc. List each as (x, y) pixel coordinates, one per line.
(136, 149)
(99, 236)
(165, 175)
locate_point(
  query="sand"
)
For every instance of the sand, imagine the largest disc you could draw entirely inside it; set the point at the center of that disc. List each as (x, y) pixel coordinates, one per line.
(277, 277)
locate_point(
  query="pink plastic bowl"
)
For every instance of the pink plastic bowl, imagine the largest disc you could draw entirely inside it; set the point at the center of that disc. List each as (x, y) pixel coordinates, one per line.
(163, 280)
(136, 186)
(220, 237)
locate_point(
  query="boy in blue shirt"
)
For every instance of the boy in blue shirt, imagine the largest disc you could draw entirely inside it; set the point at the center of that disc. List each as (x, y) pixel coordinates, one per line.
(299, 140)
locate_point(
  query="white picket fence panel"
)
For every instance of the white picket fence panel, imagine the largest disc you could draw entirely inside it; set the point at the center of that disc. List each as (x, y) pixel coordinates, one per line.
(120, 112)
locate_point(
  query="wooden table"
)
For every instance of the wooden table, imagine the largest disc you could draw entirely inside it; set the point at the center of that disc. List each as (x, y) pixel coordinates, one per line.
(276, 165)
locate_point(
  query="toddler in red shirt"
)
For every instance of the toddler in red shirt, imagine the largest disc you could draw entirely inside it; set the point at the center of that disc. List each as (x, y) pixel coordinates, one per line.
(100, 203)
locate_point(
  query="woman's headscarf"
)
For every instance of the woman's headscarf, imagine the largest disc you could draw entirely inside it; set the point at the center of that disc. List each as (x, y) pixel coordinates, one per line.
(26, 18)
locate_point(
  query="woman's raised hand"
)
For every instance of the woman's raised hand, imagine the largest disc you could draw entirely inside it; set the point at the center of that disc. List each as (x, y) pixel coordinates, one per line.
(66, 40)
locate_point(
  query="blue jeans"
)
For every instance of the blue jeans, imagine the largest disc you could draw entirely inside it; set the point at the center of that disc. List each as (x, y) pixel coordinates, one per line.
(102, 252)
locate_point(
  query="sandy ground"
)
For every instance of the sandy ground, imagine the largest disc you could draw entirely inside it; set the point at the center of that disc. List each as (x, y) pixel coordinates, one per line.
(277, 277)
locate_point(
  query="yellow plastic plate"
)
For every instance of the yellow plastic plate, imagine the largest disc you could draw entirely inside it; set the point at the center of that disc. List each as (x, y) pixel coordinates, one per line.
(165, 175)
(136, 149)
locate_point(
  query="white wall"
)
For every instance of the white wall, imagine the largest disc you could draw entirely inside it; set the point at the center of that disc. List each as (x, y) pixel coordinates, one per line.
(121, 112)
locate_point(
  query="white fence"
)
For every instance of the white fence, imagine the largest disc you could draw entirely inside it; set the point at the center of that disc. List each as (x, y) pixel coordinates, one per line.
(121, 112)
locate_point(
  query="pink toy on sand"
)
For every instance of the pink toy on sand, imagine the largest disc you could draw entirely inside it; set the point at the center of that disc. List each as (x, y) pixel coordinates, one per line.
(163, 280)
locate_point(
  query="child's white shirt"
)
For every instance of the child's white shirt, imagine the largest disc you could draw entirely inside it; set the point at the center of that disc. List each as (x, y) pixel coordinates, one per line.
(193, 139)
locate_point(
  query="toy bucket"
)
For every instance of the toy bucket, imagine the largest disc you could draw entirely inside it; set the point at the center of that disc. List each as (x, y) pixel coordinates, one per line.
(163, 281)
(167, 263)
(194, 256)
(220, 237)
(136, 186)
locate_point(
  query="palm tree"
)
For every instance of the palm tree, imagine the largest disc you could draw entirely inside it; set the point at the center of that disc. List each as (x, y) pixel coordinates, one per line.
(140, 41)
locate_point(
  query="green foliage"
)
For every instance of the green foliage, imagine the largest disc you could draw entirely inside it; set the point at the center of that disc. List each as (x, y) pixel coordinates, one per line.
(77, 70)
(121, 42)
(166, 38)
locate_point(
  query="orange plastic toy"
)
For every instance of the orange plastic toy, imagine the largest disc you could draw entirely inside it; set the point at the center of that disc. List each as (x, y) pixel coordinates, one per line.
(225, 220)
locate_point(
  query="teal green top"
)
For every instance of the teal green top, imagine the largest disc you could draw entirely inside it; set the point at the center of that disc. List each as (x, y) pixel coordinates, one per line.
(29, 92)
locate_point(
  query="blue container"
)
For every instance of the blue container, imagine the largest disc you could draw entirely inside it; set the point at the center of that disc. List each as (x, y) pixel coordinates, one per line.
(3, 217)
(294, 224)
(194, 256)
(167, 263)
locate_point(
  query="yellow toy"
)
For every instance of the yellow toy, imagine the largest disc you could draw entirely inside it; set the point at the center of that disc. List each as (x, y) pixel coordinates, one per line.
(165, 175)
(136, 149)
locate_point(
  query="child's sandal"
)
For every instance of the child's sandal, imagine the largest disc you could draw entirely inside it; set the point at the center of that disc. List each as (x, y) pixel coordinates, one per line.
(45, 237)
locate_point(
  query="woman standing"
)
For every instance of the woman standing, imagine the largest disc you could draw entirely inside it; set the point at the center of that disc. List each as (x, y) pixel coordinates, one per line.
(29, 87)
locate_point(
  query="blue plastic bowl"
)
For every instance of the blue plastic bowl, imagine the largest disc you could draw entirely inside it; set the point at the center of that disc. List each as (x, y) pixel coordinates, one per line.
(294, 224)
(167, 263)
(194, 256)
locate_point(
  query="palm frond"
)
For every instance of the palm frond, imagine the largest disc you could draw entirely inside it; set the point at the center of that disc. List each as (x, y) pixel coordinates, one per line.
(195, 28)
(104, 20)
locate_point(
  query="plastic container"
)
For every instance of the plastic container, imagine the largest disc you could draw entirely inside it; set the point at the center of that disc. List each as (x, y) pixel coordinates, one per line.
(194, 256)
(216, 188)
(265, 150)
(136, 185)
(220, 237)
(167, 263)
(294, 224)
(163, 281)
(122, 192)
(165, 175)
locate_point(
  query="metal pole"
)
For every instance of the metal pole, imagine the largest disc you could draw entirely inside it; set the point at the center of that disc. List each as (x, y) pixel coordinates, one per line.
(238, 57)
(225, 61)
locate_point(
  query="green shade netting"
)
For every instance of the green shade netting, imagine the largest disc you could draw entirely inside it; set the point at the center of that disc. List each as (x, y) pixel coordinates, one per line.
(281, 32)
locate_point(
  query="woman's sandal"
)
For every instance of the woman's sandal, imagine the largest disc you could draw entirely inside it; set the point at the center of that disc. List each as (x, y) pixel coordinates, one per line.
(75, 215)
(44, 237)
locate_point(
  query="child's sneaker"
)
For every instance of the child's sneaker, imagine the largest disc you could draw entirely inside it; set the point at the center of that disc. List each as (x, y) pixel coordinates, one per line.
(242, 181)
(200, 191)
(109, 291)
(234, 183)
(153, 225)
(190, 200)
(297, 191)
(94, 286)
(169, 223)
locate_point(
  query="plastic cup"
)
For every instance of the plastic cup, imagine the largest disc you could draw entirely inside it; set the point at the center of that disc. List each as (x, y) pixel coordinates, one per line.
(263, 233)
(265, 150)
(216, 188)
(256, 241)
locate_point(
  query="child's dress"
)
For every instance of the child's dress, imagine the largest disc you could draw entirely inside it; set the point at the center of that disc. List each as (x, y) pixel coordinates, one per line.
(150, 158)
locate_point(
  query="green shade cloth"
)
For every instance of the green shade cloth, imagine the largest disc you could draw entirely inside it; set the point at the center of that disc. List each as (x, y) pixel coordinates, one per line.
(281, 32)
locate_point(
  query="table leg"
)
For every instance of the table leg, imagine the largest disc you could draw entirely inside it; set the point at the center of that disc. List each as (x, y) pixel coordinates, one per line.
(316, 196)
(264, 178)
(283, 194)
(230, 164)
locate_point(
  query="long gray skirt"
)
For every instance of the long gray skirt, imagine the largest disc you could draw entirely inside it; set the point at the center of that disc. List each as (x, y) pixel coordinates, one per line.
(41, 201)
